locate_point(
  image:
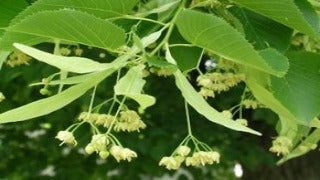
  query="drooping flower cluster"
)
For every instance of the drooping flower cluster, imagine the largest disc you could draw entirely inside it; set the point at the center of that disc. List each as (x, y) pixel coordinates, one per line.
(100, 144)
(128, 121)
(104, 120)
(250, 104)
(306, 42)
(2, 97)
(198, 157)
(217, 82)
(281, 145)
(66, 137)
(203, 158)
(18, 58)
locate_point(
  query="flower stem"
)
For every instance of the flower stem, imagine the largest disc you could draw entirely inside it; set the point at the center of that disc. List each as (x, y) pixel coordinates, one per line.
(188, 118)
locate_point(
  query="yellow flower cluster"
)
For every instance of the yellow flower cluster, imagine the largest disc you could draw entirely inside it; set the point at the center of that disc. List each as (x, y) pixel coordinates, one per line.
(120, 153)
(306, 42)
(2, 97)
(218, 82)
(171, 163)
(281, 145)
(99, 144)
(203, 158)
(18, 58)
(250, 104)
(129, 121)
(97, 119)
(66, 137)
(198, 158)
(162, 72)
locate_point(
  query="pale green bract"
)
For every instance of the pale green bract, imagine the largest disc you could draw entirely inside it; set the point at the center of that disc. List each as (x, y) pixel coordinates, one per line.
(69, 64)
(56, 102)
(202, 107)
(131, 85)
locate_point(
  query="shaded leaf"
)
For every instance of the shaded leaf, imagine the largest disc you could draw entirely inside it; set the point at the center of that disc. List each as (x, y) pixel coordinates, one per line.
(298, 89)
(282, 11)
(263, 32)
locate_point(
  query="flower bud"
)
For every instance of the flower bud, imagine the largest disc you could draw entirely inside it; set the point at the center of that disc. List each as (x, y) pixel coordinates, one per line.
(183, 151)
(89, 149)
(66, 137)
(227, 114)
(45, 92)
(78, 52)
(104, 154)
(243, 122)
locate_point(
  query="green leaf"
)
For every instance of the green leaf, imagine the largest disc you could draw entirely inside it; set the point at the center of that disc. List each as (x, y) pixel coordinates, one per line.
(100, 8)
(66, 25)
(304, 147)
(202, 107)
(282, 11)
(56, 102)
(131, 85)
(263, 32)
(187, 58)
(69, 64)
(298, 90)
(217, 36)
(8, 10)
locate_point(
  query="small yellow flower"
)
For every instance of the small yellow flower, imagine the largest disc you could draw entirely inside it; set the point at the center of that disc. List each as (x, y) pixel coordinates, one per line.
(65, 51)
(281, 145)
(207, 93)
(104, 154)
(227, 114)
(248, 103)
(78, 52)
(243, 122)
(99, 142)
(170, 163)
(66, 137)
(120, 153)
(89, 149)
